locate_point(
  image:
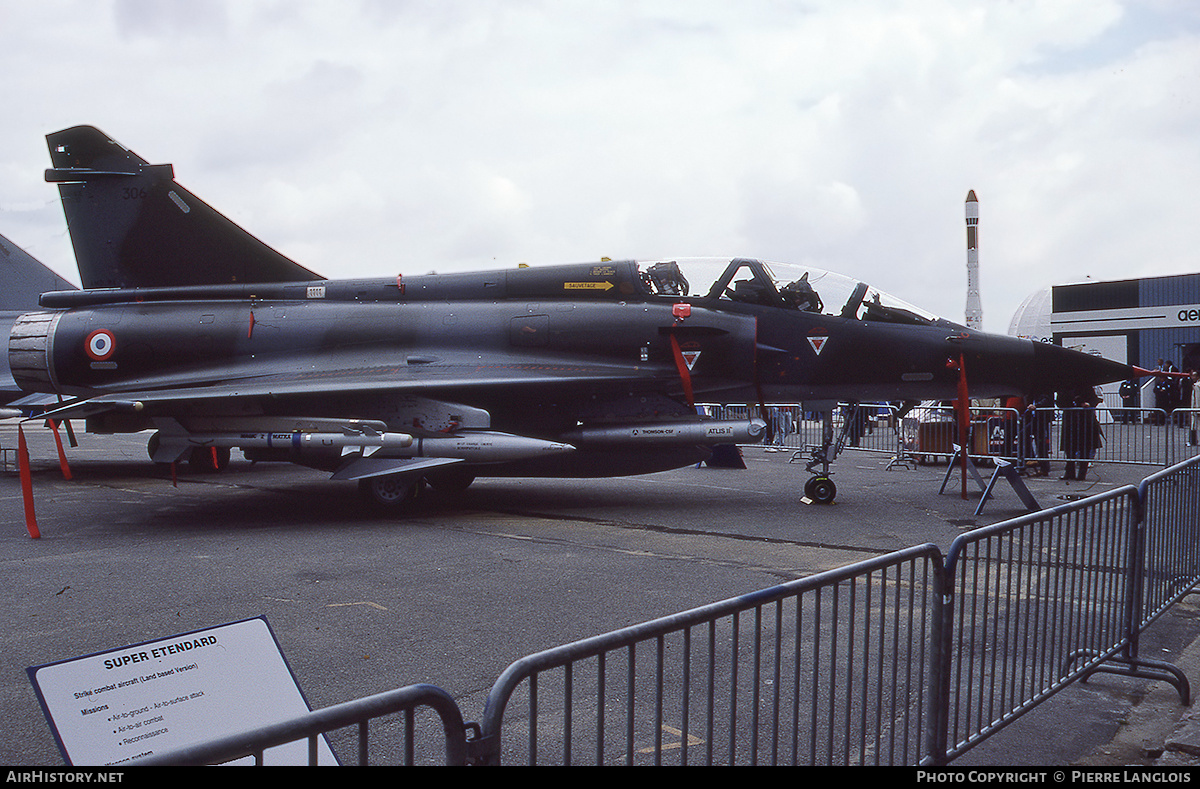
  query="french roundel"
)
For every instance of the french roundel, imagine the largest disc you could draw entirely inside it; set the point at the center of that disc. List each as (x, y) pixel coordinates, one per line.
(100, 345)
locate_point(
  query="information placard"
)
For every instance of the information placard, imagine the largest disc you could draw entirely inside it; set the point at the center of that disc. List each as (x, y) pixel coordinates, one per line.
(118, 706)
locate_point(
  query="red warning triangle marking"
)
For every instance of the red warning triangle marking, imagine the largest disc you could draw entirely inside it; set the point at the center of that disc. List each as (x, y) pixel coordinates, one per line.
(818, 342)
(690, 357)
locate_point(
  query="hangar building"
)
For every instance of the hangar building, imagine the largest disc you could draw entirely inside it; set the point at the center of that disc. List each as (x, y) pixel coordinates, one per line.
(1136, 321)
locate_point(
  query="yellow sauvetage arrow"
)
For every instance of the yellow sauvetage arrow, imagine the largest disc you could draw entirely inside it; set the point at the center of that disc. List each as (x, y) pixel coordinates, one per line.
(588, 286)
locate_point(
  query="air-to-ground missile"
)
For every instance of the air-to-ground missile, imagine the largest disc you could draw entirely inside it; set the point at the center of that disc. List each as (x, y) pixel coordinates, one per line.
(704, 433)
(470, 447)
(485, 446)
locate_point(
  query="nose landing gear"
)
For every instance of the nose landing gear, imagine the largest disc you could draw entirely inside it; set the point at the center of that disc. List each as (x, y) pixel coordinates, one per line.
(820, 488)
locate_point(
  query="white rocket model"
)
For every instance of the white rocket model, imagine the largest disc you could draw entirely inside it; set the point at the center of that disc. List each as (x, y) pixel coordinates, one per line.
(974, 313)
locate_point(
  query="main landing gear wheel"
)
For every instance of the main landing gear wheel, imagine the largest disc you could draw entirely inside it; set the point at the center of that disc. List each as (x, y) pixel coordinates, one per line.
(820, 490)
(391, 493)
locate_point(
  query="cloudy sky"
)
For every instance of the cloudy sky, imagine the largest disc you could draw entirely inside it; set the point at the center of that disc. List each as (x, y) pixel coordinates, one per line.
(376, 137)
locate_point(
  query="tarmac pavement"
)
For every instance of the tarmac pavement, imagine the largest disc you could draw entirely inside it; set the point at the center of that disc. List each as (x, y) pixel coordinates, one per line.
(1160, 730)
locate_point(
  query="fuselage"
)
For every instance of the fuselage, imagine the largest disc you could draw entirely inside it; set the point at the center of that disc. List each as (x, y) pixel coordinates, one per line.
(558, 354)
(460, 335)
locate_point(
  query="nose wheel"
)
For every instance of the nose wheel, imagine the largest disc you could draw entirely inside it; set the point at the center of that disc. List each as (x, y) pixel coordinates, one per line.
(820, 490)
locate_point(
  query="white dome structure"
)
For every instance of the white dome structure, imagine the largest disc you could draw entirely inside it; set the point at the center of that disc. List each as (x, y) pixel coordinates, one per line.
(1032, 318)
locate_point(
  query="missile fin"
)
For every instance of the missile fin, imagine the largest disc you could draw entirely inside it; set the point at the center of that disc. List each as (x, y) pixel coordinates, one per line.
(363, 468)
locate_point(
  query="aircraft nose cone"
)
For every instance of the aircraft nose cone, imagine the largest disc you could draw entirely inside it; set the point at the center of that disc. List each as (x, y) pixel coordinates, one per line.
(1057, 369)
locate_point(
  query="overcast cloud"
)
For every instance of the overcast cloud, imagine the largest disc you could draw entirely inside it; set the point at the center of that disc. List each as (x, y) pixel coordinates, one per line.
(375, 137)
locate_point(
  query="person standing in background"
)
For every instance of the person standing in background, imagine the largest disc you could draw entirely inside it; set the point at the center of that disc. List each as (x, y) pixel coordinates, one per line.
(1081, 435)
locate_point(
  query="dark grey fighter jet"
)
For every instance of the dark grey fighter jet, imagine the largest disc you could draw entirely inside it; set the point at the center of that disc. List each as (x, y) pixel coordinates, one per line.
(189, 325)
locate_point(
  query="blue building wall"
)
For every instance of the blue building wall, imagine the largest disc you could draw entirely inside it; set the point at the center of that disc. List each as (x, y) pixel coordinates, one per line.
(1181, 339)
(1173, 334)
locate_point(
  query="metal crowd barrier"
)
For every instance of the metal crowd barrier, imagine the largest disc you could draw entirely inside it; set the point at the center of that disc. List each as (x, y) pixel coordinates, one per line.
(908, 658)
(1141, 436)
(873, 427)
(1171, 503)
(358, 713)
(829, 669)
(1033, 604)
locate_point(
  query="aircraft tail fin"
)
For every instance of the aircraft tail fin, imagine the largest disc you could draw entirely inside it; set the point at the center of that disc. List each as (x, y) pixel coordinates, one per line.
(133, 226)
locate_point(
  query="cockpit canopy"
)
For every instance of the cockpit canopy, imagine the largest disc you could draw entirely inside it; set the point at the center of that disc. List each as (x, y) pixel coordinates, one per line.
(780, 285)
